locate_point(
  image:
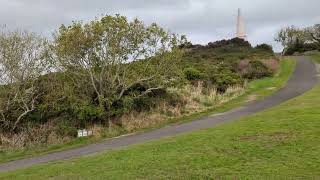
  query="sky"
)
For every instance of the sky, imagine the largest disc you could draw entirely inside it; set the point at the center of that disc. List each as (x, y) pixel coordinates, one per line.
(202, 21)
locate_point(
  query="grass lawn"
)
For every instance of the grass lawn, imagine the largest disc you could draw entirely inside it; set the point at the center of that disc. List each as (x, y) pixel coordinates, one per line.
(316, 57)
(258, 89)
(279, 143)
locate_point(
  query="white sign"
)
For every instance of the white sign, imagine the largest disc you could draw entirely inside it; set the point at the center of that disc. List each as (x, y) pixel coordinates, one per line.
(84, 133)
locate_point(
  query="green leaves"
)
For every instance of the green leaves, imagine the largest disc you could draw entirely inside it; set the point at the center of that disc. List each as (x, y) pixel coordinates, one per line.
(295, 39)
(113, 55)
(22, 61)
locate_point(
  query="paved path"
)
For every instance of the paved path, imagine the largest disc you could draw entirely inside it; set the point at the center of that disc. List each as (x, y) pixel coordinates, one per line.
(302, 80)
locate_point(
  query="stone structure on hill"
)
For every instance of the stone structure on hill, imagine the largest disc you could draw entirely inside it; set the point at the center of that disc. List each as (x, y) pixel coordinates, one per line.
(241, 31)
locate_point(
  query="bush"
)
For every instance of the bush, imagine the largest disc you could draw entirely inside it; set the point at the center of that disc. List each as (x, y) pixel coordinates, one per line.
(300, 47)
(66, 129)
(88, 113)
(193, 74)
(235, 42)
(225, 79)
(265, 47)
(174, 99)
(257, 70)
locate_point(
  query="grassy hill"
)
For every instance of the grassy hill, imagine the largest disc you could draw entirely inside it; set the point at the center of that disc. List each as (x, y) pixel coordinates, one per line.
(279, 143)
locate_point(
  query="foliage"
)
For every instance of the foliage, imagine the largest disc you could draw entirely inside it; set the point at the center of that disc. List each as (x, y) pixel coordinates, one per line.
(299, 40)
(105, 69)
(22, 56)
(265, 47)
(226, 78)
(257, 70)
(193, 74)
(115, 55)
(313, 33)
(216, 64)
(232, 42)
(258, 88)
(289, 35)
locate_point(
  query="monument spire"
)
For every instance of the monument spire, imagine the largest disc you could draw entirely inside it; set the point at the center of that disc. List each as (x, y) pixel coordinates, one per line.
(241, 32)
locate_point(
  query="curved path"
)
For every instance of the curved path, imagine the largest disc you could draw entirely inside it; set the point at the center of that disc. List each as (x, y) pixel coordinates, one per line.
(303, 79)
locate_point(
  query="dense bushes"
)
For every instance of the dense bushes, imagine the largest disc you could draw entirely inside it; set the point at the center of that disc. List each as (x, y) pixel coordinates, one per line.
(256, 70)
(102, 70)
(219, 63)
(220, 79)
(225, 79)
(193, 74)
(301, 48)
(98, 72)
(235, 42)
(265, 47)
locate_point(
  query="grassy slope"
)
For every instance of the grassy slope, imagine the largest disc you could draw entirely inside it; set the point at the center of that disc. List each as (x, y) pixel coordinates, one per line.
(280, 142)
(260, 88)
(316, 57)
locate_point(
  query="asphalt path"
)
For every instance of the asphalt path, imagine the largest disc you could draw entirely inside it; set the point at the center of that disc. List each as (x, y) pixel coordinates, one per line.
(303, 79)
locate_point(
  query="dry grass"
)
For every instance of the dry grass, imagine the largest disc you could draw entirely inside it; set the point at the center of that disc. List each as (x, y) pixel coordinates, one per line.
(31, 137)
(196, 98)
(134, 121)
(272, 64)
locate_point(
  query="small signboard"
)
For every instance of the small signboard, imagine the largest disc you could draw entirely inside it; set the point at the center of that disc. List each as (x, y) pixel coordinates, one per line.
(84, 133)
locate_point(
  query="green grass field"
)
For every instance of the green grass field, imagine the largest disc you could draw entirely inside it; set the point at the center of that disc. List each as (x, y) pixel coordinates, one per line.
(258, 88)
(316, 57)
(280, 143)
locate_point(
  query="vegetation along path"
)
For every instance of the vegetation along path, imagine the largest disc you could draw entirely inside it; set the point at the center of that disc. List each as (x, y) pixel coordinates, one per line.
(303, 79)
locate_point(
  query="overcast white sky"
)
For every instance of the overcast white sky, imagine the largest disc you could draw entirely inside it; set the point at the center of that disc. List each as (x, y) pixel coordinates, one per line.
(201, 20)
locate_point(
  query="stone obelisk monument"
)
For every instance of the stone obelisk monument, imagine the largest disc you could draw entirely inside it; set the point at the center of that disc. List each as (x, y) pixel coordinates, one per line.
(241, 31)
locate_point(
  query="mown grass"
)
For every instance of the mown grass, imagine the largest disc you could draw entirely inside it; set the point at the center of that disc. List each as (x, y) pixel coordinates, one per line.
(316, 56)
(279, 143)
(257, 89)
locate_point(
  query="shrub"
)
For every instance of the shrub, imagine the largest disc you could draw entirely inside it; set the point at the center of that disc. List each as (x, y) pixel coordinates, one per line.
(66, 129)
(301, 48)
(225, 79)
(256, 70)
(174, 99)
(265, 47)
(236, 42)
(193, 74)
(88, 113)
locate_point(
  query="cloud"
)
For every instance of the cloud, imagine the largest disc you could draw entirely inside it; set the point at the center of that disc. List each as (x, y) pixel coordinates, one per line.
(201, 20)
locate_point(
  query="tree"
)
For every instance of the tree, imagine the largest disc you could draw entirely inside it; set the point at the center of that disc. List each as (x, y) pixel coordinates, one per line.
(290, 36)
(22, 61)
(313, 33)
(114, 55)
